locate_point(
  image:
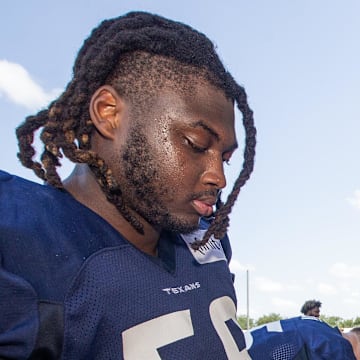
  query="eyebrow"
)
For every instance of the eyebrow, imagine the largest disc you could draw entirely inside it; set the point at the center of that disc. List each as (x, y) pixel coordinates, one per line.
(213, 133)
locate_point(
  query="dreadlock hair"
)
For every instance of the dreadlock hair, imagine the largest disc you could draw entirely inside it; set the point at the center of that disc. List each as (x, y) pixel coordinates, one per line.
(128, 48)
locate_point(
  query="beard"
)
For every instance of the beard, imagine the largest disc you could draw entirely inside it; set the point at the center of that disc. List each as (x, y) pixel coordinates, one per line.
(147, 185)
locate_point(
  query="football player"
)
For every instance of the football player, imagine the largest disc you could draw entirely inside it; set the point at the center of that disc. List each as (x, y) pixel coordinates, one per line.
(126, 257)
(311, 308)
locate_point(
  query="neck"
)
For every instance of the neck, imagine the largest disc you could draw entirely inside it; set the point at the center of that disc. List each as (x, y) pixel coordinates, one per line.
(83, 186)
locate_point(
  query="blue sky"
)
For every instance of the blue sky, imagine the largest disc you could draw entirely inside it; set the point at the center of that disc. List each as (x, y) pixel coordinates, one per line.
(295, 226)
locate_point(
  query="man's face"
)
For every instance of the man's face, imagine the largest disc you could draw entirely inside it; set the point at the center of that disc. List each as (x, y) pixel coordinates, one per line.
(314, 312)
(170, 167)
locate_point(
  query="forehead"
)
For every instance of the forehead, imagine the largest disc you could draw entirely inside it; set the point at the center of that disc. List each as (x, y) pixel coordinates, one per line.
(198, 102)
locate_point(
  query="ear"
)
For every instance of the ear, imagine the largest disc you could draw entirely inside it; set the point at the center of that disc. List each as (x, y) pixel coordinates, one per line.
(106, 110)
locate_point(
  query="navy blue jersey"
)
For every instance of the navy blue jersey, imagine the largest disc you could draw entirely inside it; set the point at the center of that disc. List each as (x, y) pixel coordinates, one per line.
(300, 338)
(72, 287)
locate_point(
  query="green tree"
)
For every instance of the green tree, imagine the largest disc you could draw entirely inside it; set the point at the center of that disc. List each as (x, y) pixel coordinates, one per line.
(268, 318)
(332, 320)
(242, 320)
(347, 323)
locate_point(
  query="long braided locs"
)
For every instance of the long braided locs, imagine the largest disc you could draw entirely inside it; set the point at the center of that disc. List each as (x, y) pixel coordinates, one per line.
(66, 125)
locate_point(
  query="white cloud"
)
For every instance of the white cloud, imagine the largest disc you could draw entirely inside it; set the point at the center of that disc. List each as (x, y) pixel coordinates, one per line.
(355, 199)
(18, 86)
(345, 271)
(355, 293)
(236, 266)
(284, 304)
(326, 289)
(267, 285)
(294, 287)
(351, 301)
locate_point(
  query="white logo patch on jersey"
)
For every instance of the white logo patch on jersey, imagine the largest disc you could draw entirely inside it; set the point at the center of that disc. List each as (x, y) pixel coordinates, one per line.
(210, 252)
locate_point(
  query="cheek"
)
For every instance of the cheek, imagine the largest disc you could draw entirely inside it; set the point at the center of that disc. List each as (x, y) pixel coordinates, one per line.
(173, 165)
(176, 168)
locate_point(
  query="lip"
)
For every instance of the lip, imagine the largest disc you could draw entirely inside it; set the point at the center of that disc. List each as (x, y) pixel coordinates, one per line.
(204, 206)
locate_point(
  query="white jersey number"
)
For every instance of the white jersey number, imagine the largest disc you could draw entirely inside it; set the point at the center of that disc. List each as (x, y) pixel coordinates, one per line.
(143, 340)
(274, 326)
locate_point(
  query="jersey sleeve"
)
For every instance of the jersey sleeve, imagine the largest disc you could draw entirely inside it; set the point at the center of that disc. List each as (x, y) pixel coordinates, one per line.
(19, 320)
(275, 340)
(325, 342)
(297, 339)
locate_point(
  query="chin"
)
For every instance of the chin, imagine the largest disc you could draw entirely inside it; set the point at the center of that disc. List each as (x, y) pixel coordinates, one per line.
(164, 218)
(181, 225)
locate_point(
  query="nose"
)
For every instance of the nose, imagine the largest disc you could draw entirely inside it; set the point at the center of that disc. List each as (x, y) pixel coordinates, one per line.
(214, 174)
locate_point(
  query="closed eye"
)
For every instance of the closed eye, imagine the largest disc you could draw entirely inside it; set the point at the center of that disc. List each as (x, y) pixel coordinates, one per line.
(194, 147)
(227, 157)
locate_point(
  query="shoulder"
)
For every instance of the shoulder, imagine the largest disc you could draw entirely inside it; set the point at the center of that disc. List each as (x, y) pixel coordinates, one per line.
(4, 176)
(14, 189)
(17, 193)
(46, 235)
(9, 181)
(323, 340)
(304, 323)
(11, 184)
